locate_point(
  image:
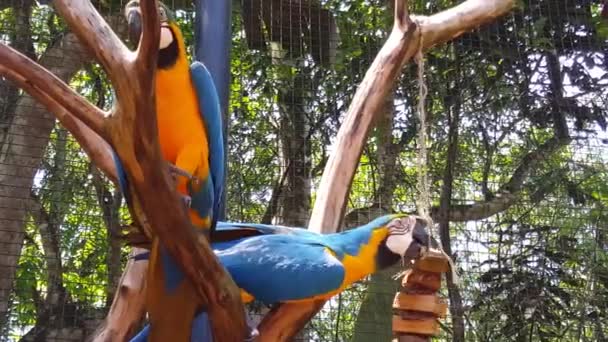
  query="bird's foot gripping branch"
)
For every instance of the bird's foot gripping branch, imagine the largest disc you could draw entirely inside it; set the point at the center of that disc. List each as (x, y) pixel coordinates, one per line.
(130, 129)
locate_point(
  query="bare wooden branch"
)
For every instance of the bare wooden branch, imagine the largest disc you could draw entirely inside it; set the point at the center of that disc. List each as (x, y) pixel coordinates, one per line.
(128, 309)
(400, 47)
(94, 146)
(20, 69)
(449, 24)
(132, 131)
(286, 320)
(379, 79)
(95, 33)
(148, 45)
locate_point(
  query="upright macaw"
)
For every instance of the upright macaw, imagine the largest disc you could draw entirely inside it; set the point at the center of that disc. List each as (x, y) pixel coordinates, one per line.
(191, 139)
(189, 118)
(275, 264)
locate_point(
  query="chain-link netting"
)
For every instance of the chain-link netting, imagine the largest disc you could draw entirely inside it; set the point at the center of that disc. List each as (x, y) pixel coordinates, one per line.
(518, 164)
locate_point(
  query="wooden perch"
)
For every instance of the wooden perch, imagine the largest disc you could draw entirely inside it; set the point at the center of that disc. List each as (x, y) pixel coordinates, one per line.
(131, 129)
(404, 41)
(127, 309)
(401, 46)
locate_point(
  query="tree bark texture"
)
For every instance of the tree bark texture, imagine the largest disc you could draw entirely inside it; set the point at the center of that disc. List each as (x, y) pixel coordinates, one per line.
(374, 317)
(131, 129)
(295, 150)
(128, 307)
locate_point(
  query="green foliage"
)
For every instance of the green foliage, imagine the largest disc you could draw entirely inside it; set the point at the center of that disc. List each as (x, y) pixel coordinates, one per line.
(533, 272)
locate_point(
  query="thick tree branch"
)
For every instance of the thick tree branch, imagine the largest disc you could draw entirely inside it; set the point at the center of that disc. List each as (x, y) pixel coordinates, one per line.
(93, 145)
(95, 33)
(511, 191)
(128, 309)
(22, 70)
(132, 131)
(402, 44)
(335, 183)
(449, 24)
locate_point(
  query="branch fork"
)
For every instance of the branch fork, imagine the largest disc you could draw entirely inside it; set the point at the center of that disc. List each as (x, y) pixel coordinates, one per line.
(410, 34)
(130, 128)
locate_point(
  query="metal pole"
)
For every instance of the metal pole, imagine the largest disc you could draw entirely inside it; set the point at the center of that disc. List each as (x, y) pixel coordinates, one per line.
(213, 39)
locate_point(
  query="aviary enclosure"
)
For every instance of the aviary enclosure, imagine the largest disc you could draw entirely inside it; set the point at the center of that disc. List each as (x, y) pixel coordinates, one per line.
(518, 164)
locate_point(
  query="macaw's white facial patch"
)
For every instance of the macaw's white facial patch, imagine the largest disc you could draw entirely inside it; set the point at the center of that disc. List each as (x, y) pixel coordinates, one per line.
(166, 37)
(399, 243)
(401, 240)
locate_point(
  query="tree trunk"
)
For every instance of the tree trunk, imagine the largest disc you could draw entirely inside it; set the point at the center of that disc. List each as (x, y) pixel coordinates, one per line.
(456, 308)
(110, 205)
(387, 154)
(374, 322)
(374, 318)
(295, 150)
(21, 153)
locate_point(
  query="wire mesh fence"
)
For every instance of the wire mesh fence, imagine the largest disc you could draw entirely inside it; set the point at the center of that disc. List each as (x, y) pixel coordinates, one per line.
(518, 164)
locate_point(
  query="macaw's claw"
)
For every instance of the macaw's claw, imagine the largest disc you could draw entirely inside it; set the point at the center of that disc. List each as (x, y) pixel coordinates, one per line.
(253, 335)
(187, 200)
(176, 171)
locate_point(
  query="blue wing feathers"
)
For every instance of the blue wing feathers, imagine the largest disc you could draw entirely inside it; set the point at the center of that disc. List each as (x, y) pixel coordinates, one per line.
(201, 330)
(172, 272)
(142, 336)
(204, 199)
(281, 264)
(265, 229)
(123, 183)
(302, 267)
(209, 104)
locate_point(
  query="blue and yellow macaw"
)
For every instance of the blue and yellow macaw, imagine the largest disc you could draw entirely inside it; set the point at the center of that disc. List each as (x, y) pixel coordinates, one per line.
(191, 140)
(189, 119)
(283, 264)
(275, 264)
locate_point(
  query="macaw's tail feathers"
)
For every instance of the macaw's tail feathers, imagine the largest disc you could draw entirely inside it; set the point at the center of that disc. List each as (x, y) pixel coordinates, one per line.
(142, 336)
(141, 256)
(123, 182)
(201, 330)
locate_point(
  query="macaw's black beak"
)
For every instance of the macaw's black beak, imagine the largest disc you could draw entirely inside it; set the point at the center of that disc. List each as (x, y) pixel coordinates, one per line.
(134, 24)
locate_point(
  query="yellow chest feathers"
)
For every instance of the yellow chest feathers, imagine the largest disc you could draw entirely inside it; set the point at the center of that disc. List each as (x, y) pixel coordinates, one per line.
(364, 263)
(179, 118)
(356, 267)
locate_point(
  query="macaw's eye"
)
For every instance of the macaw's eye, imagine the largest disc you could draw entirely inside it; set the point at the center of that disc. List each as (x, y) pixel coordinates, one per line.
(407, 236)
(162, 14)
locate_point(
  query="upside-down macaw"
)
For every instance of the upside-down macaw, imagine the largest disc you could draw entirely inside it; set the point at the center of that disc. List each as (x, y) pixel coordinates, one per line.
(191, 139)
(275, 264)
